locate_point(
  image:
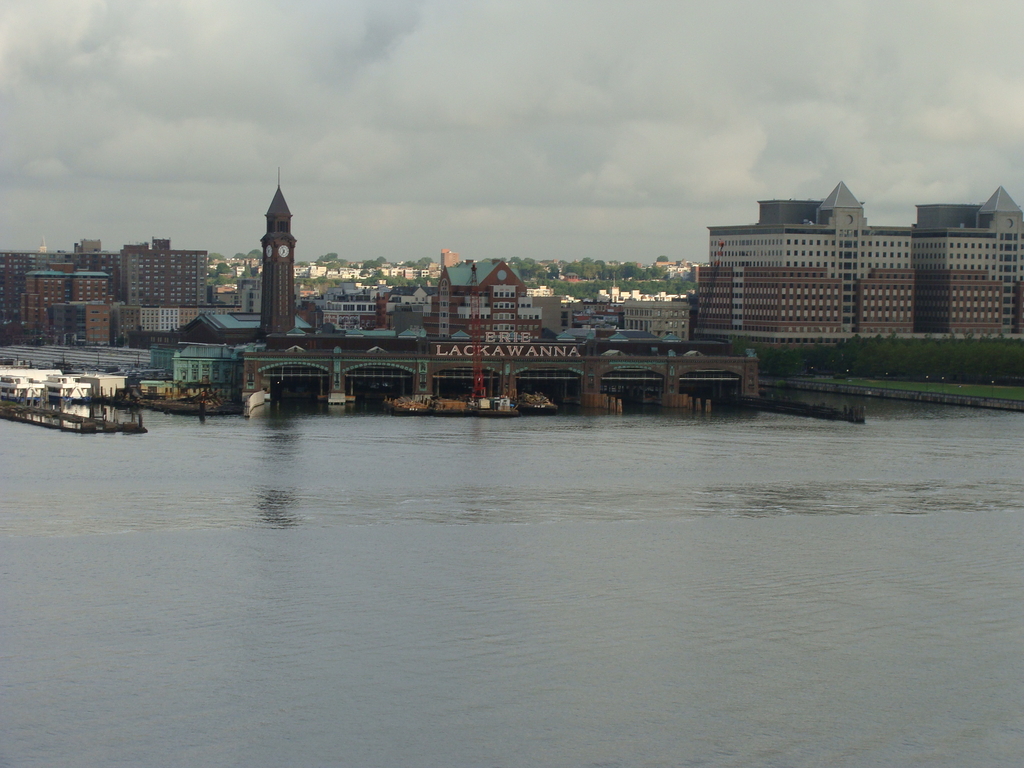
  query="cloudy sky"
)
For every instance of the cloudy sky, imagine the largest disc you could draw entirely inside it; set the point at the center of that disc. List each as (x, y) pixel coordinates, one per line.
(543, 128)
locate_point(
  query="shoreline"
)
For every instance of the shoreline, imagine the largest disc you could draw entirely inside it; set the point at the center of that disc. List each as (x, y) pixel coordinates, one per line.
(815, 385)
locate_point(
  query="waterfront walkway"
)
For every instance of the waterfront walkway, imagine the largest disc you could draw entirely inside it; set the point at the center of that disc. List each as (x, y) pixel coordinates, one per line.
(836, 387)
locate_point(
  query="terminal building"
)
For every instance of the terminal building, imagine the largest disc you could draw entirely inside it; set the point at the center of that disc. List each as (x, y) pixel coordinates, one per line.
(816, 271)
(480, 319)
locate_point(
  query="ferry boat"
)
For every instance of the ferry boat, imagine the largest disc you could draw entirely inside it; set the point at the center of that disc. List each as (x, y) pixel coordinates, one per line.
(67, 389)
(24, 385)
(21, 388)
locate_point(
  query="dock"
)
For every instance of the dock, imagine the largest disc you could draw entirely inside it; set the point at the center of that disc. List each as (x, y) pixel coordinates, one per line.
(852, 414)
(841, 388)
(66, 422)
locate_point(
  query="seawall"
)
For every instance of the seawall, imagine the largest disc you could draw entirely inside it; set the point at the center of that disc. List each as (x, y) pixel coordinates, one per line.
(817, 385)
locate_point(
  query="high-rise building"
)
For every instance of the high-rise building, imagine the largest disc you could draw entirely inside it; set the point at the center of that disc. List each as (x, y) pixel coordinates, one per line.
(14, 265)
(46, 287)
(966, 262)
(155, 274)
(813, 270)
(449, 258)
(277, 313)
(89, 256)
(250, 295)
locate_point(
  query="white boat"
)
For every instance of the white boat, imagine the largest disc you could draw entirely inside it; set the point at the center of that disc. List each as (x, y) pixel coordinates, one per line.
(67, 389)
(25, 385)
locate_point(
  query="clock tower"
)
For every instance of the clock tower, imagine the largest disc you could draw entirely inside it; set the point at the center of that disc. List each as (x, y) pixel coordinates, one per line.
(277, 311)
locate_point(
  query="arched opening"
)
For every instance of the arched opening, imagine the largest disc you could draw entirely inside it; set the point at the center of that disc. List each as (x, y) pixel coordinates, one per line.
(458, 382)
(298, 382)
(558, 385)
(634, 385)
(713, 384)
(376, 382)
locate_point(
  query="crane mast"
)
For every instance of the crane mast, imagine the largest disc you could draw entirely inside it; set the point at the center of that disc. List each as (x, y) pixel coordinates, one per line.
(704, 298)
(475, 333)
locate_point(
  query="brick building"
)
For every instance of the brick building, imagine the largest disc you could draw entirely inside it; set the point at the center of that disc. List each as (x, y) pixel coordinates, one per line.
(14, 265)
(505, 307)
(81, 322)
(89, 256)
(60, 285)
(155, 274)
(885, 302)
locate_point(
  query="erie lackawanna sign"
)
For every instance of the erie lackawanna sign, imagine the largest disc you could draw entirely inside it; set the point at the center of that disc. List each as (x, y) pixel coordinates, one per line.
(508, 350)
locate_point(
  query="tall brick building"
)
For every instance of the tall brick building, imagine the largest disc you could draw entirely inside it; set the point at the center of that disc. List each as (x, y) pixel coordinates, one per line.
(155, 274)
(61, 285)
(14, 266)
(89, 256)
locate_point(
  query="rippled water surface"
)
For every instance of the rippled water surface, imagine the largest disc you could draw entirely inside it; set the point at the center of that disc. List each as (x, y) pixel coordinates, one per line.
(350, 589)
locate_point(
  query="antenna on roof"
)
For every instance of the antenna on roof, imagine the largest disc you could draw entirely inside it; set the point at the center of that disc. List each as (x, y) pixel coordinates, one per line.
(279, 176)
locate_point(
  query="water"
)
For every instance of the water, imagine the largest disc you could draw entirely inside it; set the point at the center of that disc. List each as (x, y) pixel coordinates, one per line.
(359, 590)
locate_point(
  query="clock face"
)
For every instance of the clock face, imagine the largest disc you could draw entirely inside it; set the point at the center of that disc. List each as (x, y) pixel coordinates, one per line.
(282, 251)
(270, 250)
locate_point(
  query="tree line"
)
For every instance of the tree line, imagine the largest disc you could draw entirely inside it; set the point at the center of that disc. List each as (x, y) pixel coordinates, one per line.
(967, 360)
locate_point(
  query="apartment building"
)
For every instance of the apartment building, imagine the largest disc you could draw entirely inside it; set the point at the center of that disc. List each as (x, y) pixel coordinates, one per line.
(59, 285)
(14, 266)
(132, 317)
(660, 318)
(89, 256)
(81, 322)
(155, 274)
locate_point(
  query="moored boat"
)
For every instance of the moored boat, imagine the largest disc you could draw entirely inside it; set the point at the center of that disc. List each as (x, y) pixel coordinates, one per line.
(410, 405)
(535, 404)
(494, 407)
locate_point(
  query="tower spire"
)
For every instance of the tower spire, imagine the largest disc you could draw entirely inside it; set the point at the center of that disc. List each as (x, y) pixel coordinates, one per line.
(277, 311)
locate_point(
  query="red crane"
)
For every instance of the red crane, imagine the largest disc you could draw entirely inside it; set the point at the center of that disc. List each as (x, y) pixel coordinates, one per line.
(475, 332)
(706, 294)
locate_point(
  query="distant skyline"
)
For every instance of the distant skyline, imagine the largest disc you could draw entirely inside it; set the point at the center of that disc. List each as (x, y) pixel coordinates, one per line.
(613, 130)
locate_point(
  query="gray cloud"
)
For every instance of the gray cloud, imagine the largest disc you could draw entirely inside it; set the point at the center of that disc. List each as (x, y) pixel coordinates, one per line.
(609, 129)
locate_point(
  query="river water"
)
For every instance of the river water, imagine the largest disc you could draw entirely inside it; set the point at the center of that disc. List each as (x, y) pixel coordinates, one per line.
(352, 589)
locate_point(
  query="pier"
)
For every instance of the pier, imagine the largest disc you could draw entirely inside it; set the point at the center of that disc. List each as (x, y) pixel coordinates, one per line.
(67, 422)
(968, 401)
(852, 414)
